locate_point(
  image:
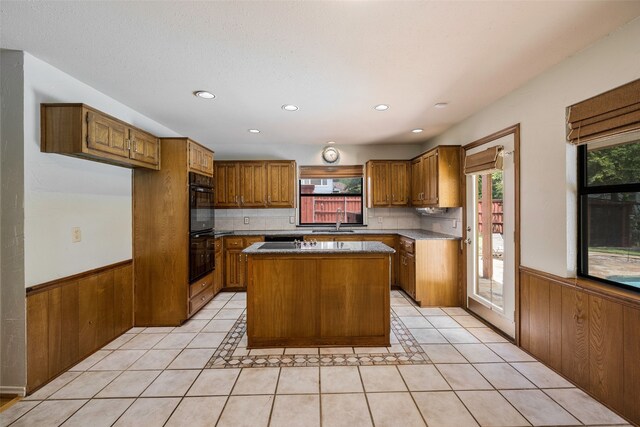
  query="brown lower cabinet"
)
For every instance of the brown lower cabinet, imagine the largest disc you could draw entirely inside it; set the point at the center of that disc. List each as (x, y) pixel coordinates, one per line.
(235, 262)
(588, 336)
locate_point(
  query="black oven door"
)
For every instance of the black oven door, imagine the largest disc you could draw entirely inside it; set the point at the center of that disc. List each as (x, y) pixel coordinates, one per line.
(201, 255)
(201, 209)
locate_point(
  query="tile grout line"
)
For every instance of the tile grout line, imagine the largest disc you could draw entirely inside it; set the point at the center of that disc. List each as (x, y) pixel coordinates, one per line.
(366, 398)
(411, 395)
(228, 397)
(273, 404)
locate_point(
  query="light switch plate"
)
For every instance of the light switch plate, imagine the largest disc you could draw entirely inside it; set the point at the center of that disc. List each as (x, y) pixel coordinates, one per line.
(76, 234)
(379, 220)
(455, 223)
(292, 220)
(246, 220)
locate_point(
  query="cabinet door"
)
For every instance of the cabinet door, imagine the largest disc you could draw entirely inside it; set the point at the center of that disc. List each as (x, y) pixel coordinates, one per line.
(253, 185)
(106, 135)
(417, 183)
(227, 185)
(431, 178)
(398, 179)
(232, 267)
(281, 184)
(218, 277)
(207, 162)
(380, 184)
(195, 158)
(410, 271)
(144, 147)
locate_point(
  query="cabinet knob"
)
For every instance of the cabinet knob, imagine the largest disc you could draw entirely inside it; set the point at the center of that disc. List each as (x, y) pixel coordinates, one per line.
(203, 285)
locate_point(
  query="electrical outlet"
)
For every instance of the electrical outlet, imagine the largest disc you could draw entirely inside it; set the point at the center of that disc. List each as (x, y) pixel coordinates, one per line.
(292, 220)
(76, 234)
(455, 223)
(379, 220)
(246, 220)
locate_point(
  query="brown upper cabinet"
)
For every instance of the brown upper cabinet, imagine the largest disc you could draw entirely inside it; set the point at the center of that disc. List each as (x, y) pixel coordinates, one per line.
(435, 178)
(200, 159)
(81, 131)
(388, 183)
(255, 184)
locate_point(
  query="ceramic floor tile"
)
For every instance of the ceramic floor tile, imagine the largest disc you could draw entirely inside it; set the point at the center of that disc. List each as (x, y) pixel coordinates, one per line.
(193, 325)
(345, 410)
(175, 341)
(86, 385)
(296, 410)
(406, 311)
(266, 351)
(423, 378)
(443, 409)
(503, 376)
(458, 336)
(477, 353)
(443, 353)
(299, 380)
(431, 311)
(246, 411)
(257, 381)
(239, 296)
(142, 342)
(463, 377)
(442, 322)
(207, 340)
(307, 350)
(119, 360)
(583, 407)
(381, 378)
(55, 385)
(340, 379)
(135, 330)
(158, 330)
(129, 384)
(99, 413)
(416, 322)
(16, 411)
(394, 409)
(49, 413)
(510, 352)
(121, 340)
(336, 350)
(197, 412)
(228, 314)
(539, 408)
(396, 348)
(205, 314)
(236, 304)
(240, 351)
(486, 335)
(455, 311)
(541, 376)
(91, 360)
(192, 358)
(154, 412)
(428, 336)
(171, 383)
(214, 382)
(469, 321)
(370, 350)
(155, 359)
(491, 409)
(219, 326)
(399, 302)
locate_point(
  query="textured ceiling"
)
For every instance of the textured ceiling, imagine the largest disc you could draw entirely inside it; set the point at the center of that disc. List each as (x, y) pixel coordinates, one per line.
(335, 60)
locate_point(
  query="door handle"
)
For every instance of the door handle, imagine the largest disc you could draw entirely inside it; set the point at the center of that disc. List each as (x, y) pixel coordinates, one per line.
(467, 241)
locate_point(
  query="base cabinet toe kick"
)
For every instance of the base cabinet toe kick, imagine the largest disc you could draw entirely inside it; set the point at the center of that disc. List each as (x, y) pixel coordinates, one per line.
(312, 299)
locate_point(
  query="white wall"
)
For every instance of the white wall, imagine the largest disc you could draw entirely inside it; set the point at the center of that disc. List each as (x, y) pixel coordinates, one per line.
(63, 192)
(548, 164)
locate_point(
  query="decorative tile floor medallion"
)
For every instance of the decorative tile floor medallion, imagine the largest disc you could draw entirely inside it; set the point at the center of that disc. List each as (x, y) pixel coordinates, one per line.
(223, 357)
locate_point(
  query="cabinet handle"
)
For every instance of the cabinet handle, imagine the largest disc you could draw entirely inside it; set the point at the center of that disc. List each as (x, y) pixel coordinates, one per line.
(134, 144)
(242, 200)
(269, 198)
(128, 145)
(237, 200)
(202, 299)
(203, 285)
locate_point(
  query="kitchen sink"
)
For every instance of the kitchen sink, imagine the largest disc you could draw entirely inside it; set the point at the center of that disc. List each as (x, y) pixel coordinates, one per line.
(278, 245)
(333, 230)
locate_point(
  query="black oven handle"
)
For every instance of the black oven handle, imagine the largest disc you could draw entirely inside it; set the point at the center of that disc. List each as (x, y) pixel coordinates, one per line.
(203, 190)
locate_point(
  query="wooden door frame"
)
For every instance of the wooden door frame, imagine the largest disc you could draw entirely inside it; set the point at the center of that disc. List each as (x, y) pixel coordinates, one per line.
(515, 130)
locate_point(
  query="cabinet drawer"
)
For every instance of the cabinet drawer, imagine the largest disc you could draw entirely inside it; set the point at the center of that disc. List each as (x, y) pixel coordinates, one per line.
(201, 299)
(407, 244)
(201, 284)
(233, 242)
(248, 241)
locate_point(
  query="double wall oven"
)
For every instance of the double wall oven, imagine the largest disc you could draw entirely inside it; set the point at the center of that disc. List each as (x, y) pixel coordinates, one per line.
(201, 226)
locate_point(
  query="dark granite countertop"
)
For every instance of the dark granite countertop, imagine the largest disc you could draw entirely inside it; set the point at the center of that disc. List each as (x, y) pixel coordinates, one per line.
(321, 248)
(411, 234)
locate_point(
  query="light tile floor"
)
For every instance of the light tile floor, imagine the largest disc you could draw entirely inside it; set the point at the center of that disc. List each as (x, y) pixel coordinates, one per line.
(463, 374)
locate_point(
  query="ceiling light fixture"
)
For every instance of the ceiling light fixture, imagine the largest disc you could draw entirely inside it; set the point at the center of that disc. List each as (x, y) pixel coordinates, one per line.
(331, 142)
(290, 107)
(418, 130)
(381, 107)
(204, 94)
(441, 105)
(254, 131)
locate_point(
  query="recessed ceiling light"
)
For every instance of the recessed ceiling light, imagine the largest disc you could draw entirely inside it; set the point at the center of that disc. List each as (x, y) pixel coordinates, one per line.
(290, 107)
(418, 130)
(381, 107)
(441, 105)
(331, 142)
(204, 94)
(254, 131)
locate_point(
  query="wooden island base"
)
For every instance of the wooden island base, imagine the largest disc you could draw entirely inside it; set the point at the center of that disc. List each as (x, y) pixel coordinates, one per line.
(306, 300)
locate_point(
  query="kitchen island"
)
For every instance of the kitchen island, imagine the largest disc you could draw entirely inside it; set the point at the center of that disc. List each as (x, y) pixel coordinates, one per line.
(322, 294)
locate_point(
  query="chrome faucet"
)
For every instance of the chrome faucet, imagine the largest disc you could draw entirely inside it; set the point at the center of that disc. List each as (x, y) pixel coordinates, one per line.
(338, 219)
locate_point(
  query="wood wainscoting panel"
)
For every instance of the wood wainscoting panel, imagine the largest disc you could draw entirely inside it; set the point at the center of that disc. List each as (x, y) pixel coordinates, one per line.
(539, 318)
(555, 333)
(575, 336)
(70, 318)
(632, 363)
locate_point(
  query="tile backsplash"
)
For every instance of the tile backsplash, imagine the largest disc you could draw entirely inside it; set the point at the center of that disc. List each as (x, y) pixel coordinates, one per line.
(443, 222)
